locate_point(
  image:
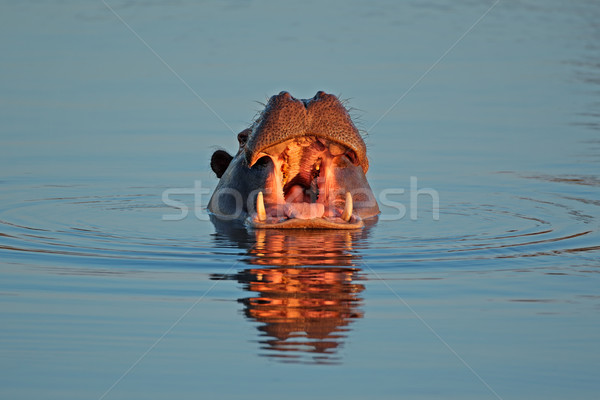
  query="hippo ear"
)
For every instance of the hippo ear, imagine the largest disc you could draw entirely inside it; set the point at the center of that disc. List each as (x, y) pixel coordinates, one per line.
(220, 161)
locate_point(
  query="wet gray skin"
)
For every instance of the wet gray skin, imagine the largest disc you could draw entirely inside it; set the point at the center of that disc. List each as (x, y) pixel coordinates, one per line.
(301, 164)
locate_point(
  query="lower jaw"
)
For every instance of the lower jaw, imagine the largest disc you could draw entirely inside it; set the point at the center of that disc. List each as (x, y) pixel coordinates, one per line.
(314, 223)
(304, 216)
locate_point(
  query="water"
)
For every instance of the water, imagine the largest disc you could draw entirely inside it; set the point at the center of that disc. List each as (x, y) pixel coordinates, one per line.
(498, 298)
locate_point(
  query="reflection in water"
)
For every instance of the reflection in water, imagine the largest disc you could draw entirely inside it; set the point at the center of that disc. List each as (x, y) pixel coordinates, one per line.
(303, 248)
(307, 299)
(304, 312)
(293, 247)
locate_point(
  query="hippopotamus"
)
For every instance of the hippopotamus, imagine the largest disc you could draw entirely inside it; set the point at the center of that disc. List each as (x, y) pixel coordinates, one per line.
(301, 164)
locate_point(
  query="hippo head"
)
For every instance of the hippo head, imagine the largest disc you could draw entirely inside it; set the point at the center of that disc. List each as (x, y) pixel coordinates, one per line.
(301, 164)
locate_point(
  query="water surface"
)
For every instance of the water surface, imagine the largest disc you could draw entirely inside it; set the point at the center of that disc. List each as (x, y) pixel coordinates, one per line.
(496, 110)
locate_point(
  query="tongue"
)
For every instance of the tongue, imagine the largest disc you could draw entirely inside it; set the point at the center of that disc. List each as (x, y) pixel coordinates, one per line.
(304, 210)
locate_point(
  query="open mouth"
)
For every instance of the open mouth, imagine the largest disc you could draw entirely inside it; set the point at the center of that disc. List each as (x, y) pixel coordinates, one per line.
(304, 187)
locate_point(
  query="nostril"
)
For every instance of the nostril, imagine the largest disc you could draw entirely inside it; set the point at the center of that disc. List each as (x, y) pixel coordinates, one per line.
(262, 162)
(320, 94)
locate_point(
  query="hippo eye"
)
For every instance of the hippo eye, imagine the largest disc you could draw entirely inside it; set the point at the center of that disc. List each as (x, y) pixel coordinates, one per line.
(243, 137)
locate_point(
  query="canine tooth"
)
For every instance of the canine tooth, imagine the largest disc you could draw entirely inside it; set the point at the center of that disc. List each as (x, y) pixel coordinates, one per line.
(260, 207)
(347, 208)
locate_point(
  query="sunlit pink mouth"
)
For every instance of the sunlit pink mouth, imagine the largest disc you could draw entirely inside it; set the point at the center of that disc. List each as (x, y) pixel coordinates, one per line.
(302, 189)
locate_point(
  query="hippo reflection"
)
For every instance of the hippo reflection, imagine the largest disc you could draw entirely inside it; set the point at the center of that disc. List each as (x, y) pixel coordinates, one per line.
(303, 310)
(301, 164)
(304, 300)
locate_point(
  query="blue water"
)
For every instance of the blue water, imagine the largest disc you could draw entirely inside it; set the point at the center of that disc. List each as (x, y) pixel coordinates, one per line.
(489, 107)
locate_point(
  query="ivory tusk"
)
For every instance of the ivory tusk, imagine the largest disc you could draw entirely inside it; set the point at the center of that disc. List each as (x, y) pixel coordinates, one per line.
(347, 208)
(260, 207)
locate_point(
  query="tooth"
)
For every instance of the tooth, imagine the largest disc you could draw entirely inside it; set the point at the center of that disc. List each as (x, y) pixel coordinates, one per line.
(347, 208)
(260, 207)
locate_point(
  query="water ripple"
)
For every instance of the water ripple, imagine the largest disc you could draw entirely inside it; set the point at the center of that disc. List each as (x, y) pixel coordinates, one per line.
(127, 226)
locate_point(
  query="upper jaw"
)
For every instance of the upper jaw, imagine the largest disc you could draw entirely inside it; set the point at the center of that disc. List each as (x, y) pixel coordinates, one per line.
(286, 118)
